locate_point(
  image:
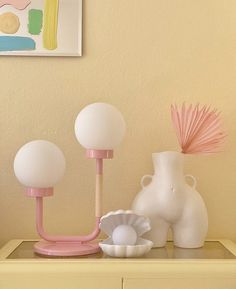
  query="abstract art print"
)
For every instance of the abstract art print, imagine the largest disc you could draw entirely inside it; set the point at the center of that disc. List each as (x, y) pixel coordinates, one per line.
(41, 27)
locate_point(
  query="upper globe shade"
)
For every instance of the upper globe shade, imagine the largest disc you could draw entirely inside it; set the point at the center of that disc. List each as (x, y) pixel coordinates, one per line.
(100, 126)
(39, 164)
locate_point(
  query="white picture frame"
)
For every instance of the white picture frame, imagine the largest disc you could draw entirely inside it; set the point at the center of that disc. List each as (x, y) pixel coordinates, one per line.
(69, 29)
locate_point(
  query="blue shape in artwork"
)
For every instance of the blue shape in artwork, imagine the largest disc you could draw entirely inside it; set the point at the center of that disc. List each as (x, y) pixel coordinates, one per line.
(16, 43)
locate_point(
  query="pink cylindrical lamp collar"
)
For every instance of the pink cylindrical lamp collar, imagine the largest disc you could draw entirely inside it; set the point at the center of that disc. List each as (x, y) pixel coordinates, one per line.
(39, 192)
(99, 154)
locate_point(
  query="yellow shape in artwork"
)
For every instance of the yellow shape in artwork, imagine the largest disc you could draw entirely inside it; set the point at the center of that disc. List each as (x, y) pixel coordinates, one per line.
(50, 24)
(9, 23)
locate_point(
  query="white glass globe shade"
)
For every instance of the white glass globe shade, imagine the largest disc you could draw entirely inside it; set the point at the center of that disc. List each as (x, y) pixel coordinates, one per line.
(100, 126)
(124, 235)
(39, 164)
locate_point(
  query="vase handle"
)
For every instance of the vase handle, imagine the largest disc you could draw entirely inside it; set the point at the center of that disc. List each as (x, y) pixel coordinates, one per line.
(193, 179)
(143, 179)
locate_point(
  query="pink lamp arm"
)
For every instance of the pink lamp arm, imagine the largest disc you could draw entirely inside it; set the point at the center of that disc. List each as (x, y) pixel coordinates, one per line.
(52, 238)
(98, 213)
(99, 155)
(99, 188)
(40, 193)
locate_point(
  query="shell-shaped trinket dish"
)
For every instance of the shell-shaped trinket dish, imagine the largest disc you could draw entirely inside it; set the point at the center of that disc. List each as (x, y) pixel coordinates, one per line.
(139, 224)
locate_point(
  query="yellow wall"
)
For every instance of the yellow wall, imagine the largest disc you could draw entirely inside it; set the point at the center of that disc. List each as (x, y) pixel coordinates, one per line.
(140, 56)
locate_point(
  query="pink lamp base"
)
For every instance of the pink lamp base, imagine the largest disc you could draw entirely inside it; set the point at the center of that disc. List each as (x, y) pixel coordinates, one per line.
(65, 249)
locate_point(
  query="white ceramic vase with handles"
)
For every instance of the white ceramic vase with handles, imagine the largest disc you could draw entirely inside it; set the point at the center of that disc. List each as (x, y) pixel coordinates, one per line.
(170, 203)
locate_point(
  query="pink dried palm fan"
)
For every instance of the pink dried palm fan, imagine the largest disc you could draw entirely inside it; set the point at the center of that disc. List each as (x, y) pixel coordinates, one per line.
(198, 129)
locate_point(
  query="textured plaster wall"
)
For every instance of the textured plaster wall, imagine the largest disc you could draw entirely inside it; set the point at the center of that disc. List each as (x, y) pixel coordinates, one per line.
(140, 56)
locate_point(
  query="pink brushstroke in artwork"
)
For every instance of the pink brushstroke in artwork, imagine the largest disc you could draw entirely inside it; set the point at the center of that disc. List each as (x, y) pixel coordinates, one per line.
(18, 4)
(198, 129)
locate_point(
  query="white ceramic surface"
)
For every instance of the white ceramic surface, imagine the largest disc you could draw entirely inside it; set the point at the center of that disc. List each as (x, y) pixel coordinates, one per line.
(113, 219)
(141, 225)
(121, 251)
(170, 203)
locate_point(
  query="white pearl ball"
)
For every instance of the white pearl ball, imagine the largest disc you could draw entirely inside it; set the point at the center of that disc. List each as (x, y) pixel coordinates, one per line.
(39, 164)
(100, 126)
(124, 235)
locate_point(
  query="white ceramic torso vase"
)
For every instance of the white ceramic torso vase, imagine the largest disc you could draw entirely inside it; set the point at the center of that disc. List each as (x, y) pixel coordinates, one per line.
(170, 203)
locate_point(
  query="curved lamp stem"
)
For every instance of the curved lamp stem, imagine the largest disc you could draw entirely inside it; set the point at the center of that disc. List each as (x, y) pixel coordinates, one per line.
(52, 238)
(98, 213)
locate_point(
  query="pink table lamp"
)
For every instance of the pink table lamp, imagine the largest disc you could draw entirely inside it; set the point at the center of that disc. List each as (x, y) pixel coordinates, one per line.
(40, 164)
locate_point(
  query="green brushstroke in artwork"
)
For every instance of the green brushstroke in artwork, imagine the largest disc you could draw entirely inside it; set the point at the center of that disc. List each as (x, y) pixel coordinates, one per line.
(35, 21)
